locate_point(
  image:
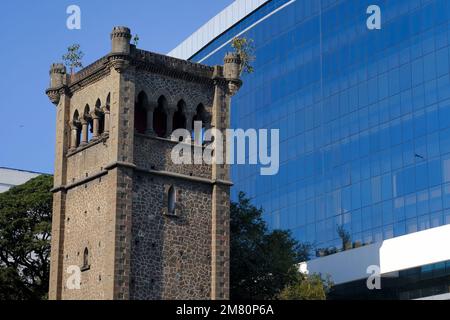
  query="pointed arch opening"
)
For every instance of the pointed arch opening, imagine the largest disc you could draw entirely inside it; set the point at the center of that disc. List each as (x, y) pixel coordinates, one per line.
(101, 117)
(179, 118)
(106, 114)
(200, 115)
(140, 113)
(76, 139)
(160, 117)
(88, 119)
(86, 264)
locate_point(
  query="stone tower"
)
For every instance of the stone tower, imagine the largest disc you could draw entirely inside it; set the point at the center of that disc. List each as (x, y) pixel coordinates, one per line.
(137, 225)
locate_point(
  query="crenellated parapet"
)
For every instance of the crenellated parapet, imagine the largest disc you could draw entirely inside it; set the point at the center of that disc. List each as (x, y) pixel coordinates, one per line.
(174, 67)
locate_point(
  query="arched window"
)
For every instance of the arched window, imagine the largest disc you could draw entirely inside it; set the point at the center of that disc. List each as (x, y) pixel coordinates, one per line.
(101, 119)
(179, 119)
(171, 200)
(200, 115)
(106, 113)
(77, 125)
(160, 117)
(140, 113)
(88, 118)
(86, 259)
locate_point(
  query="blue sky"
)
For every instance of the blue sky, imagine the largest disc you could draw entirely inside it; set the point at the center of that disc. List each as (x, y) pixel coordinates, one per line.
(35, 35)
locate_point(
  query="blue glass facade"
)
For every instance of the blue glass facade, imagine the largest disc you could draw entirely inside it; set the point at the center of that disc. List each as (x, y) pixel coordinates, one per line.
(364, 116)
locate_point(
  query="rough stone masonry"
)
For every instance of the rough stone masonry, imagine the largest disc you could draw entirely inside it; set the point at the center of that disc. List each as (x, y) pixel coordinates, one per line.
(137, 225)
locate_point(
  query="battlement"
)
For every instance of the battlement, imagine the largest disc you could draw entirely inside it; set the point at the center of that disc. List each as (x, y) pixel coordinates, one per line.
(89, 70)
(57, 68)
(121, 31)
(150, 59)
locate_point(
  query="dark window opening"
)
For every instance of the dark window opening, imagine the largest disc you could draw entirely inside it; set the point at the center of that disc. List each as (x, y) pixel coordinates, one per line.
(160, 117)
(86, 264)
(88, 118)
(101, 119)
(140, 113)
(200, 115)
(179, 119)
(76, 123)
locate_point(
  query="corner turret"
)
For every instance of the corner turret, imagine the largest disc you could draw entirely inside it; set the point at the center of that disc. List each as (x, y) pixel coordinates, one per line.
(232, 71)
(120, 40)
(58, 75)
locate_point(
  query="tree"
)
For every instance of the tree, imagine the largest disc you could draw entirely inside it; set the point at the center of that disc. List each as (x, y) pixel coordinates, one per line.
(73, 57)
(25, 226)
(245, 49)
(262, 262)
(307, 288)
(345, 236)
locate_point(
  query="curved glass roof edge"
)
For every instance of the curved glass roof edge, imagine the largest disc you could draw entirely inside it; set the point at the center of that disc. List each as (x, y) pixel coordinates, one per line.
(246, 23)
(214, 27)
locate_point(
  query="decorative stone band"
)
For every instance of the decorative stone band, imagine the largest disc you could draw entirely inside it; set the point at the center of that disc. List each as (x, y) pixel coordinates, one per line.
(119, 61)
(186, 177)
(54, 94)
(114, 165)
(79, 182)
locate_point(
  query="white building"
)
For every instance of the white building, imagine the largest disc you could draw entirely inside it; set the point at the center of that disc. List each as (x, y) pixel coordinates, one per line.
(13, 177)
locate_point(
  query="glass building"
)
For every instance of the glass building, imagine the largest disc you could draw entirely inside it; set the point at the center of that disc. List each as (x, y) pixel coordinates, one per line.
(364, 119)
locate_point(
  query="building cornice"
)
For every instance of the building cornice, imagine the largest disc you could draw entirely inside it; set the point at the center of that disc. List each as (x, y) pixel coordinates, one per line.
(142, 60)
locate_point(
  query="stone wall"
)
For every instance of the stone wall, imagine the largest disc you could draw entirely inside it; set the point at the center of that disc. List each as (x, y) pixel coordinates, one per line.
(152, 153)
(90, 93)
(193, 93)
(171, 255)
(87, 162)
(88, 217)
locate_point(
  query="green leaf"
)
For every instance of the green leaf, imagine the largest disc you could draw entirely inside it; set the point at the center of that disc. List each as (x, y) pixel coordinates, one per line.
(245, 49)
(263, 262)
